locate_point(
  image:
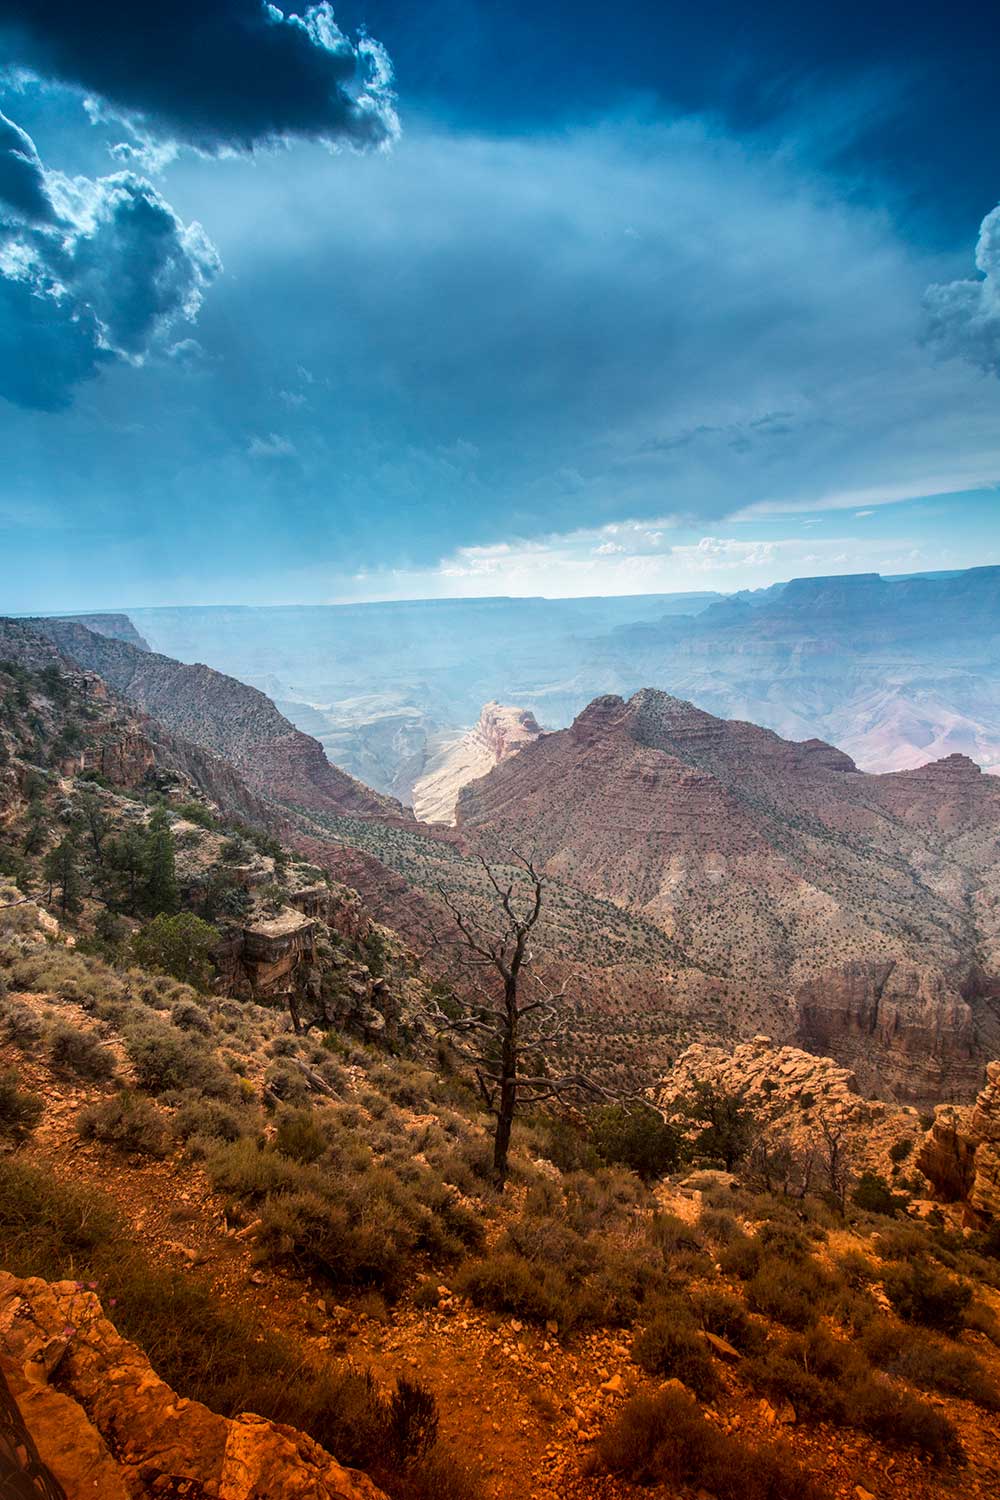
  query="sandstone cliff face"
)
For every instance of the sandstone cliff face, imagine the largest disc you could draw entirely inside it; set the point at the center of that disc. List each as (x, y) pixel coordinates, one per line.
(985, 1193)
(961, 1152)
(118, 627)
(106, 1426)
(500, 733)
(905, 1031)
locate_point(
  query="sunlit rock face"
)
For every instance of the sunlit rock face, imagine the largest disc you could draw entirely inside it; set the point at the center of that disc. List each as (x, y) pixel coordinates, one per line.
(500, 732)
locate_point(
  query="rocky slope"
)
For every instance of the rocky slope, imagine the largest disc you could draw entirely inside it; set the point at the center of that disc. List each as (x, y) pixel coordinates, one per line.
(220, 714)
(501, 731)
(119, 743)
(871, 901)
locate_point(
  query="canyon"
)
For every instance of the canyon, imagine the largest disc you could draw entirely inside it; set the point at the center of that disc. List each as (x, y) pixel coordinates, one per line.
(708, 877)
(896, 671)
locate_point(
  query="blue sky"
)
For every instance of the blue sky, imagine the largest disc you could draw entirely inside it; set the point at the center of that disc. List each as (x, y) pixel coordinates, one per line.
(492, 299)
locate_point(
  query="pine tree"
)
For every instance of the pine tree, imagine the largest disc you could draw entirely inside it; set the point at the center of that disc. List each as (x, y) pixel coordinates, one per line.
(62, 869)
(37, 829)
(160, 894)
(128, 859)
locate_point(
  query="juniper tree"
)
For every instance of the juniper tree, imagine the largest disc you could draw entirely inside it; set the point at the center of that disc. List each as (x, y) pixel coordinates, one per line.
(507, 1021)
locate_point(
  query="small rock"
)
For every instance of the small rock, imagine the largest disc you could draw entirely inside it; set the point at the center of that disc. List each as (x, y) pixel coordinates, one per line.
(721, 1346)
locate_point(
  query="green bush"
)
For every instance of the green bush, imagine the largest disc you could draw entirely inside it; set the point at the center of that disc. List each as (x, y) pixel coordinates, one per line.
(873, 1195)
(919, 1294)
(181, 945)
(637, 1137)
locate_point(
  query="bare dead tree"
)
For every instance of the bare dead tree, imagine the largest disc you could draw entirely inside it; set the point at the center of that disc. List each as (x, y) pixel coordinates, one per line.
(837, 1158)
(506, 1015)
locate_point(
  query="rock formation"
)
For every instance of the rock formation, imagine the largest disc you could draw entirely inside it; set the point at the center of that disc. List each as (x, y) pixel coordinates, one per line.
(961, 1151)
(903, 1029)
(118, 627)
(500, 733)
(793, 1091)
(106, 1426)
(898, 672)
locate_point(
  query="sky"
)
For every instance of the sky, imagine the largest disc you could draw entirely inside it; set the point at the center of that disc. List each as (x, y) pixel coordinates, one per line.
(389, 300)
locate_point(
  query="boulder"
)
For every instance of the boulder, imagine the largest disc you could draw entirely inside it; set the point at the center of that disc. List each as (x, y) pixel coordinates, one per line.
(105, 1424)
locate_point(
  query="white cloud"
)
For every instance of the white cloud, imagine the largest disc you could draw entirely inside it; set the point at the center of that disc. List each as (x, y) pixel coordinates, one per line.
(271, 446)
(620, 558)
(964, 316)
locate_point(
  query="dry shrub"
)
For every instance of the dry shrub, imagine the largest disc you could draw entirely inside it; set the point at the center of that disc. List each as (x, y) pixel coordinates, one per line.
(79, 1054)
(833, 1381)
(671, 1347)
(664, 1439)
(932, 1363)
(20, 1110)
(129, 1122)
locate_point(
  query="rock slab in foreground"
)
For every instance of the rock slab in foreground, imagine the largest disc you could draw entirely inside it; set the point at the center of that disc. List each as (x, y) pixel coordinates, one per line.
(106, 1425)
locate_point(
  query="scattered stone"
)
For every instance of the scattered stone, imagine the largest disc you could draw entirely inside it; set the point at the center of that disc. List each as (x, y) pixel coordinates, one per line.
(721, 1345)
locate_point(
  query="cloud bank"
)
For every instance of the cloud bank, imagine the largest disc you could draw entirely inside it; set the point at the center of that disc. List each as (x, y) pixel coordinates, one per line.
(964, 316)
(91, 271)
(219, 75)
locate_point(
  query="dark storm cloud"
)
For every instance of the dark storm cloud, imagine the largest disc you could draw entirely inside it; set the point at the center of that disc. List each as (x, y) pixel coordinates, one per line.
(47, 347)
(22, 180)
(90, 271)
(964, 316)
(216, 74)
